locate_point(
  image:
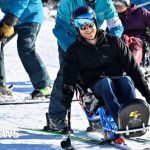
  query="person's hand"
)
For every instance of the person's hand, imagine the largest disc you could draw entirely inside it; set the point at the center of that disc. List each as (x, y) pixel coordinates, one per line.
(68, 92)
(6, 30)
(8, 23)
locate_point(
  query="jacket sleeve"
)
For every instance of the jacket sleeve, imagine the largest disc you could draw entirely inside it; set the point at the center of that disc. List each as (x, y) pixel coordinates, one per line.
(131, 67)
(17, 8)
(71, 67)
(64, 30)
(10, 19)
(113, 22)
(146, 16)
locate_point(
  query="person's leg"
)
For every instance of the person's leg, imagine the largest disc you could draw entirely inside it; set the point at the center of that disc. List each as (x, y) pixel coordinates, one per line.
(105, 88)
(57, 113)
(3, 41)
(125, 89)
(56, 110)
(4, 90)
(2, 70)
(2, 65)
(34, 66)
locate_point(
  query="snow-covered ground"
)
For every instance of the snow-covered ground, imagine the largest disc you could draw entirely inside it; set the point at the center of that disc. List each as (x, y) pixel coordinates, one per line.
(15, 117)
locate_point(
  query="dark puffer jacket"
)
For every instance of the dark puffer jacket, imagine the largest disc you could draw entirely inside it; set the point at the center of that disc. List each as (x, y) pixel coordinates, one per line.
(110, 57)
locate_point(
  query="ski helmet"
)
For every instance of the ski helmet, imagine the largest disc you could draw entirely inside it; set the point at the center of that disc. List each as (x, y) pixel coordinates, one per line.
(82, 15)
(126, 2)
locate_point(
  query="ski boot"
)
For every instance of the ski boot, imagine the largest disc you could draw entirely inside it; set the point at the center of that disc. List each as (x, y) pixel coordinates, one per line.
(43, 92)
(56, 125)
(6, 91)
(109, 127)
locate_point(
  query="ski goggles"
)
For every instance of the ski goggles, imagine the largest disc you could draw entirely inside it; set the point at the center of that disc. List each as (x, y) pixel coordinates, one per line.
(84, 23)
(81, 20)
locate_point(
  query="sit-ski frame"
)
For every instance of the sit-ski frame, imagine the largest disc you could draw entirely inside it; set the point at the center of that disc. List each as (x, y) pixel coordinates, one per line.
(127, 131)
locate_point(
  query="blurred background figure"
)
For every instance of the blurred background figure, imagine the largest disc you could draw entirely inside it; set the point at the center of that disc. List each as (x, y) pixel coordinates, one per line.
(52, 4)
(136, 33)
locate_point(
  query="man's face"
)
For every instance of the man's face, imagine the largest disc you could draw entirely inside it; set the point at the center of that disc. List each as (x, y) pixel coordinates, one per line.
(88, 31)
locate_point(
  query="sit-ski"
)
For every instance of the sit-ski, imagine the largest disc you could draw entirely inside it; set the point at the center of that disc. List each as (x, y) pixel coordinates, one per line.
(132, 119)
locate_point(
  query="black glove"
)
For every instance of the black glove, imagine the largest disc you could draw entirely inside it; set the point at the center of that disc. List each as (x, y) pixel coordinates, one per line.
(68, 92)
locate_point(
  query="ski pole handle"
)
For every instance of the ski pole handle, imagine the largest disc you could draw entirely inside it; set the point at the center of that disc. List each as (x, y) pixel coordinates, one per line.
(69, 120)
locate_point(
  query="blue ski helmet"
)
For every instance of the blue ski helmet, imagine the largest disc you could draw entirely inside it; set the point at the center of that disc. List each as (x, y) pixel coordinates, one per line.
(82, 15)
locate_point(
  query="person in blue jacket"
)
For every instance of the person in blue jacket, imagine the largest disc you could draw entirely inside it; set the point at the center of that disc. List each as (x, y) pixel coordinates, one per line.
(66, 34)
(139, 2)
(25, 18)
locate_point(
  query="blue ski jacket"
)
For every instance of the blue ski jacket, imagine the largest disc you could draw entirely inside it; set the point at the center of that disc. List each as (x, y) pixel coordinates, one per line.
(138, 2)
(66, 33)
(24, 10)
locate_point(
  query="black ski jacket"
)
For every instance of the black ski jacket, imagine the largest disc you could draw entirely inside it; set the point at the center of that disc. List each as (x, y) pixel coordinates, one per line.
(110, 57)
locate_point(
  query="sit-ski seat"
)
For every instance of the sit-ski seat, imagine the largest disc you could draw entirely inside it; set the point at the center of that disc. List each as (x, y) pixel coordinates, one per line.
(132, 117)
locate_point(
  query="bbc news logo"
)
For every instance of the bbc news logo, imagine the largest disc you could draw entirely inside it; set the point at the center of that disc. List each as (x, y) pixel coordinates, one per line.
(9, 133)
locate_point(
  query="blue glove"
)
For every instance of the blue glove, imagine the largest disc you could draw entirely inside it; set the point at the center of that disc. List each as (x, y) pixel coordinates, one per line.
(68, 92)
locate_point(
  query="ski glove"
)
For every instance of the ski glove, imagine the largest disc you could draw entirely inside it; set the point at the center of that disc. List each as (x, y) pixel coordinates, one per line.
(68, 92)
(7, 31)
(9, 22)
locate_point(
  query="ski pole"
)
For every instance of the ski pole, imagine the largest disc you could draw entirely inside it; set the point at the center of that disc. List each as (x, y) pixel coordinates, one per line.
(143, 4)
(2, 66)
(67, 144)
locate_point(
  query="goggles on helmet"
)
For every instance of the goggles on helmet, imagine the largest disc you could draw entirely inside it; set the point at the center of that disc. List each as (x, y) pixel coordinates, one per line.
(87, 26)
(81, 23)
(84, 19)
